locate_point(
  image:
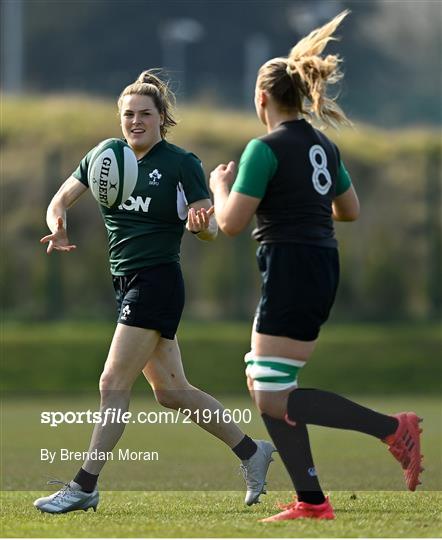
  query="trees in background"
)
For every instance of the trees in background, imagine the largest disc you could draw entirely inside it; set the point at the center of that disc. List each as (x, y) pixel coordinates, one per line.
(391, 257)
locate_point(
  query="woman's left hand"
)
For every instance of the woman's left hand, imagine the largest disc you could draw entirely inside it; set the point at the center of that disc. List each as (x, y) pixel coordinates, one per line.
(198, 220)
(223, 175)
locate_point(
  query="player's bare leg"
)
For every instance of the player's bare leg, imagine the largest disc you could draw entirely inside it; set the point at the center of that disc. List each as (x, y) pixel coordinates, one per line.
(164, 372)
(127, 357)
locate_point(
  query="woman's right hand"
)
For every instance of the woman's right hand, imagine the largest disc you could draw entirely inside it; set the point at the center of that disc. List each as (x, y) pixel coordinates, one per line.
(58, 240)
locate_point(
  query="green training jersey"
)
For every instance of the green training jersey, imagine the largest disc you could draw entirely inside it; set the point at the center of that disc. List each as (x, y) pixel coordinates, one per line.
(146, 230)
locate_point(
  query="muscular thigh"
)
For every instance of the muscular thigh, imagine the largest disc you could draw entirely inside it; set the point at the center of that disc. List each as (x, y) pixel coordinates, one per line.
(128, 353)
(267, 345)
(164, 369)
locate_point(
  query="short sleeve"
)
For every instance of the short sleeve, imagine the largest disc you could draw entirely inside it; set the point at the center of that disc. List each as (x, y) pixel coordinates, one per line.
(344, 181)
(256, 168)
(193, 179)
(80, 172)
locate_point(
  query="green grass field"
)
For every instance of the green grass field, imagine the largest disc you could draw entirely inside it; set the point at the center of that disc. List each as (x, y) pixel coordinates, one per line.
(222, 514)
(194, 489)
(190, 459)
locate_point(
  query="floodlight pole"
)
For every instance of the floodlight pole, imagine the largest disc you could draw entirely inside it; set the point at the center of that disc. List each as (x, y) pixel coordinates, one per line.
(257, 52)
(12, 46)
(175, 35)
(433, 231)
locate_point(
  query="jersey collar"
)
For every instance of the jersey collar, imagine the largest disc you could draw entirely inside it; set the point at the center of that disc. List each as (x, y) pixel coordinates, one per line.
(154, 149)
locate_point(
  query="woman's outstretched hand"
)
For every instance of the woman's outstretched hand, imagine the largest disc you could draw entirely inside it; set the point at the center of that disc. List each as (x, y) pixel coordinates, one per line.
(58, 240)
(199, 220)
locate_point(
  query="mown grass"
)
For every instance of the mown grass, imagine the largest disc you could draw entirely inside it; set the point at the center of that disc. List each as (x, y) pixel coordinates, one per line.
(190, 459)
(222, 514)
(194, 489)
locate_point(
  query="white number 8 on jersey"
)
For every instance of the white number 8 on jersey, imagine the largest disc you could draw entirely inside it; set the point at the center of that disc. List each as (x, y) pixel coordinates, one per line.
(318, 159)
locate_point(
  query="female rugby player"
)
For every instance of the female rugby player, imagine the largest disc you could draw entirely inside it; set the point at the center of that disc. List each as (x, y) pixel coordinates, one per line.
(295, 182)
(144, 259)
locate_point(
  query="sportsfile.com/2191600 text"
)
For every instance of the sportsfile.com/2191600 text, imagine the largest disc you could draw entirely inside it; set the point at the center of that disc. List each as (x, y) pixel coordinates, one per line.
(114, 416)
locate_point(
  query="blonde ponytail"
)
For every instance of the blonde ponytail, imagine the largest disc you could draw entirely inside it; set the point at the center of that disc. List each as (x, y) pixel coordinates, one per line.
(304, 76)
(149, 84)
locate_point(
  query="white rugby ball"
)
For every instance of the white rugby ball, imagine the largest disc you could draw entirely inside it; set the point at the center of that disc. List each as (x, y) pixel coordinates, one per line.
(112, 172)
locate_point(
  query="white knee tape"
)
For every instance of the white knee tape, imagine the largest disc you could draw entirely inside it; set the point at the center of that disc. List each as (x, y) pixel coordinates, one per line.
(272, 373)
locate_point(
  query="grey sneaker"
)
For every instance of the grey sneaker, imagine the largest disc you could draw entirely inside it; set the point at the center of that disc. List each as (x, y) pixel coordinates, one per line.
(255, 469)
(67, 499)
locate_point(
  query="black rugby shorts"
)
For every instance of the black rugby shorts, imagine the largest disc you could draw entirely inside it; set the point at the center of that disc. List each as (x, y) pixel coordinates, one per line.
(151, 298)
(299, 284)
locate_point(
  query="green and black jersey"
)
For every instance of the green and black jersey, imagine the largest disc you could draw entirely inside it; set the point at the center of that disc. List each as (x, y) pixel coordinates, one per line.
(146, 230)
(297, 172)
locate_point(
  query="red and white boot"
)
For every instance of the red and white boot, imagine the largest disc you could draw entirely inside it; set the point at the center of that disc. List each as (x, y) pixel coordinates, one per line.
(404, 444)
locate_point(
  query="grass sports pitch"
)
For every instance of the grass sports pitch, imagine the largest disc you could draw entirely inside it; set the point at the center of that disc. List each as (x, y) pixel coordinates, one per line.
(194, 490)
(222, 514)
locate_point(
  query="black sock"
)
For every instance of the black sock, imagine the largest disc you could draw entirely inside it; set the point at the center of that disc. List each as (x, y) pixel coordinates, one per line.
(245, 448)
(293, 446)
(86, 480)
(321, 408)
